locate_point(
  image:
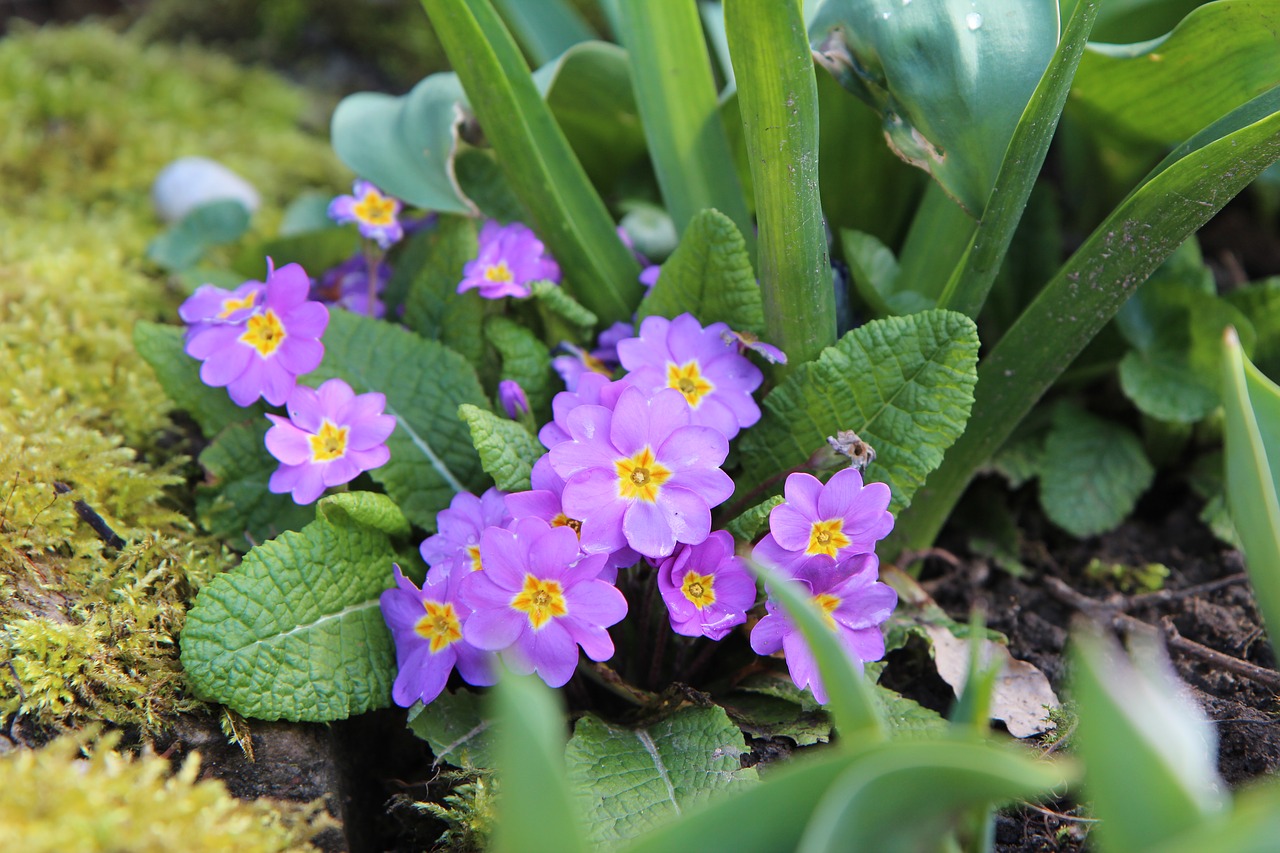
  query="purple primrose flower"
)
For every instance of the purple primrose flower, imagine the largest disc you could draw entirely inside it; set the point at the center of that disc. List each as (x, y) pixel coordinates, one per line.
(854, 604)
(264, 351)
(212, 306)
(347, 286)
(374, 213)
(511, 258)
(715, 380)
(707, 589)
(641, 475)
(649, 275)
(592, 390)
(750, 341)
(513, 399)
(837, 520)
(330, 436)
(537, 600)
(457, 544)
(576, 364)
(426, 625)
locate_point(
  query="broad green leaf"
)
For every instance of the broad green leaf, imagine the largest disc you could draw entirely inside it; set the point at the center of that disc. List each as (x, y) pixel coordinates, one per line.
(950, 78)
(161, 347)
(560, 306)
(483, 181)
(709, 275)
(1252, 826)
(428, 275)
(233, 503)
(1128, 21)
(536, 808)
(1260, 303)
(763, 716)
(875, 275)
(316, 251)
(455, 729)
(566, 212)
(1162, 387)
(1094, 471)
(1219, 57)
(295, 632)
(778, 99)
(1251, 402)
(904, 384)
(675, 90)
(1148, 750)
(907, 719)
(906, 795)
(546, 28)
(507, 450)
(749, 524)
(524, 359)
(306, 213)
(632, 780)
(367, 509)
(1195, 181)
(432, 457)
(208, 225)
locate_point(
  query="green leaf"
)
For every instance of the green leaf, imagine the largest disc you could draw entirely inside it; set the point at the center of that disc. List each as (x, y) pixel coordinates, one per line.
(709, 275)
(316, 251)
(1260, 303)
(455, 729)
(546, 28)
(432, 457)
(1164, 389)
(483, 181)
(557, 301)
(763, 716)
(954, 113)
(907, 719)
(747, 525)
(567, 213)
(632, 780)
(161, 347)
(208, 225)
(525, 359)
(368, 509)
(1093, 473)
(1219, 57)
(676, 93)
(295, 632)
(1252, 826)
(1147, 749)
(233, 503)
(904, 384)
(875, 275)
(1251, 402)
(428, 274)
(778, 97)
(507, 450)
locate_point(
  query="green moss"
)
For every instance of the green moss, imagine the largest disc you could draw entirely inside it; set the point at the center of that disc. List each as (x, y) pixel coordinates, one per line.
(110, 801)
(87, 632)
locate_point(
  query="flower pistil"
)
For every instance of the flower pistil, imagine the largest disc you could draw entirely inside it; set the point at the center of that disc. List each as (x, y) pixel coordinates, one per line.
(265, 333)
(541, 600)
(641, 476)
(827, 537)
(699, 589)
(688, 380)
(440, 626)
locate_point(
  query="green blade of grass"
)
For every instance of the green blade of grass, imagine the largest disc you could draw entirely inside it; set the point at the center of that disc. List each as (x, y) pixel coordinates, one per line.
(546, 28)
(565, 209)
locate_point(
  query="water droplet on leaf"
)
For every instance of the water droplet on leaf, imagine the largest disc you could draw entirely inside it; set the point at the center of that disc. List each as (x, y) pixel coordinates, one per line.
(973, 20)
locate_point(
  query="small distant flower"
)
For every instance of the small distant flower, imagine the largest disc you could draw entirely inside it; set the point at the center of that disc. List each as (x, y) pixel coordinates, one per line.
(649, 275)
(264, 353)
(592, 390)
(748, 341)
(373, 212)
(213, 306)
(607, 344)
(715, 380)
(458, 541)
(576, 364)
(837, 520)
(426, 625)
(854, 604)
(537, 600)
(642, 475)
(513, 399)
(330, 436)
(511, 258)
(707, 589)
(347, 286)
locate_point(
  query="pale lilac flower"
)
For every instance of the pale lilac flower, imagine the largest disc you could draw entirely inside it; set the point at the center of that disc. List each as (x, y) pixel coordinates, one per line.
(592, 390)
(374, 213)
(213, 306)
(837, 520)
(576, 364)
(749, 341)
(538, 599)
(707, 589)
(426, 625)
(715, 380)
(513, 399)
(264, 353)
(331, 435)
(649, 275)
(458, 541)
(607, 343)
(347, 286)
(511, 258)
(854, 604)
(641, 475)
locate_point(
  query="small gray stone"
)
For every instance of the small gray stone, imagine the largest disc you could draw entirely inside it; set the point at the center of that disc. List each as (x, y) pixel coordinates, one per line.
(191, 182)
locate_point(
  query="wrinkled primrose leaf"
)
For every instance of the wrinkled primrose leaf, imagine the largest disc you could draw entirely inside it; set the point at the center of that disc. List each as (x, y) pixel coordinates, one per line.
(507, 450)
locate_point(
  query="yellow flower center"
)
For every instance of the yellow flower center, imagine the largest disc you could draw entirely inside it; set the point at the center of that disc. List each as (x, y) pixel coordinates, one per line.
(375, 209)
(689, 381)
(499, 273)
(232, 305)
(699, 589)
(265, 333)
(330, 443)
(440, 626)
(541, 600)
(826, 537)
(641, 476)
(473, 551)
(827, 603)
(562, 520)
(595, 364)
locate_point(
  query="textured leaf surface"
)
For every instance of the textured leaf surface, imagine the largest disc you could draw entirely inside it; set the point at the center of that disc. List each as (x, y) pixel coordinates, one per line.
(749, 525)
(904, 384)
(1094, 471)
(709, 276)
(524, 359)
(432, 457)
(428, 275)
(762, 716)
(295, 632)
(507, 450)
(161, 347)
(635, 779)
(455, 728)
(558, 302)
(236, 505)
(907, 718)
